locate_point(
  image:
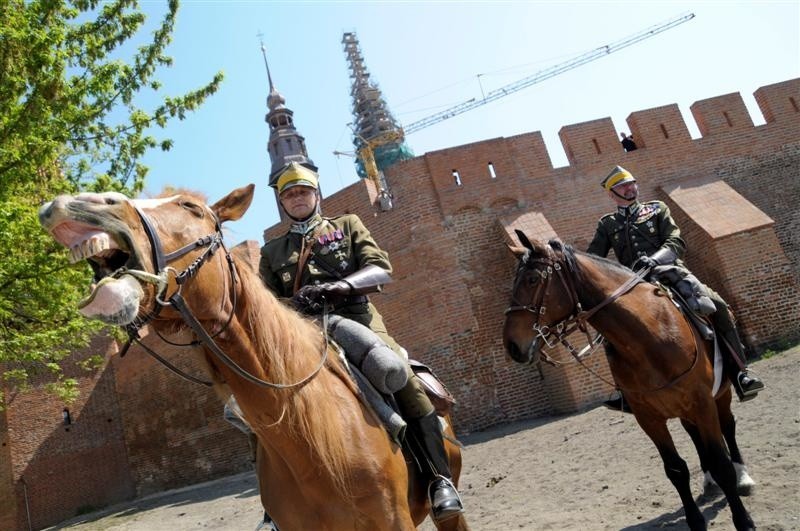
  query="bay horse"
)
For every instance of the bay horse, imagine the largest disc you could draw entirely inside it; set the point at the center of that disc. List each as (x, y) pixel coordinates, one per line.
(324, 461)
(657, 361)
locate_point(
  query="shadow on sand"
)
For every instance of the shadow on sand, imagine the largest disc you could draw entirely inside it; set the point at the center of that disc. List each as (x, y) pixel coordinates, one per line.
(710, 504)
(239, 486)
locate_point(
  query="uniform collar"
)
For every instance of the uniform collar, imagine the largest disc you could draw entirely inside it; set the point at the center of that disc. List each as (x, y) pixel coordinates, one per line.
(630, 210)
(304, 227)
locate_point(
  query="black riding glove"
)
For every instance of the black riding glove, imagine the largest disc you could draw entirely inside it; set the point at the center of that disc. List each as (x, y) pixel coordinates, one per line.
(643, 262)
(311, 298)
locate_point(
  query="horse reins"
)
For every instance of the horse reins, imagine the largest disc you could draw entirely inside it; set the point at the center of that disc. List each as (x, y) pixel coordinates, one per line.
(577, 320)
(211, 243)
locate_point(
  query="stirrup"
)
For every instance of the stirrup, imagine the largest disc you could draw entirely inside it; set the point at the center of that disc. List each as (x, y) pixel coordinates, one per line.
(753, 386)
(618, 404)
(267, 524)
(447, 507)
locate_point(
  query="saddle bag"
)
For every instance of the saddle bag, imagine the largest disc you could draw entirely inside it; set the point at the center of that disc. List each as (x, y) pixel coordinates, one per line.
(438, 394)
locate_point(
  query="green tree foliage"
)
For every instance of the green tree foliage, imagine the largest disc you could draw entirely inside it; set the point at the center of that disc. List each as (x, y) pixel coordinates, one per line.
(70, 120)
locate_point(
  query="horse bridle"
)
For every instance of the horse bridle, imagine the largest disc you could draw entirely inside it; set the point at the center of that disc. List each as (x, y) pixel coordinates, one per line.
(576, 319)
(211, 243)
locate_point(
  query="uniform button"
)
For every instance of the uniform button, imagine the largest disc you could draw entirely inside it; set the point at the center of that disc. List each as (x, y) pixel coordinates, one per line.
(636, 244)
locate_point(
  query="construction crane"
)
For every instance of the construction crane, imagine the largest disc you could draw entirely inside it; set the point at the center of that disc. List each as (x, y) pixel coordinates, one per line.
(372, 113)
(366, 154)
(560, 68)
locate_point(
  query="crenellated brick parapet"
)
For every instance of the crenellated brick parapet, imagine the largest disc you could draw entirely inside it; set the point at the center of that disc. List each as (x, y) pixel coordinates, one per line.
(722, 114)
(779, 102)
(659, 128)
(590, 142)
(730, 190)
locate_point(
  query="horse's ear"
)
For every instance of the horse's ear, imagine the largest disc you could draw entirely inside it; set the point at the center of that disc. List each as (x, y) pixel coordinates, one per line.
(518, 251)
(524, 239)
(235, 204)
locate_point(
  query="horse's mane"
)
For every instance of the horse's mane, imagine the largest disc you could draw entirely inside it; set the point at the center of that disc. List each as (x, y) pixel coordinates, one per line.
(570, 254)
(282, 339)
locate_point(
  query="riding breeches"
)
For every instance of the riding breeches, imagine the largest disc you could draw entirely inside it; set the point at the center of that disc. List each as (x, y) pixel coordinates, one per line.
(411, 399)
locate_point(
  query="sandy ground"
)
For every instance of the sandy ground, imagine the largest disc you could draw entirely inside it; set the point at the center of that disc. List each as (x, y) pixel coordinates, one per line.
(589, 471)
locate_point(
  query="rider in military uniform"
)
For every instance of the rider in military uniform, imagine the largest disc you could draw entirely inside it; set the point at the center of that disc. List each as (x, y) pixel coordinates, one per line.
(336, 261)
(644, 235)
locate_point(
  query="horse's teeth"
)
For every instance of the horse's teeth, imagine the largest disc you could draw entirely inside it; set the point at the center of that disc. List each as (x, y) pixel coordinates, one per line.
(90, 247)
(75, 255)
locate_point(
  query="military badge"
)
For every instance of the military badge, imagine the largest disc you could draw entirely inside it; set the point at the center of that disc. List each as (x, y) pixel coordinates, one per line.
(286, 276)
(331, 241)
(647, 211)
(334, 236)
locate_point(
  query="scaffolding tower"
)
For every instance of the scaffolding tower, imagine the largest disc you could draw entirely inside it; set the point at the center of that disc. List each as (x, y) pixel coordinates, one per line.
(375, 130)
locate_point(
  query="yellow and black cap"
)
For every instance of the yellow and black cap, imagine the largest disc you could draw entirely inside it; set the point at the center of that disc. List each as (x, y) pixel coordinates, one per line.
(295, 174)
(618, 175)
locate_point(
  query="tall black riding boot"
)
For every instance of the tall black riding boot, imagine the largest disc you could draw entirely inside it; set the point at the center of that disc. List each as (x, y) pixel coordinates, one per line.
(745, 384)
(426, 433)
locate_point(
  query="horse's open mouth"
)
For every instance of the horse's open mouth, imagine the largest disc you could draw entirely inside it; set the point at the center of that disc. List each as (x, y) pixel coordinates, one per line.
(97, 247)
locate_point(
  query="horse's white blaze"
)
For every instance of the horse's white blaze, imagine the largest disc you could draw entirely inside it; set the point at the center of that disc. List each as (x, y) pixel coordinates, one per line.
(146, 204)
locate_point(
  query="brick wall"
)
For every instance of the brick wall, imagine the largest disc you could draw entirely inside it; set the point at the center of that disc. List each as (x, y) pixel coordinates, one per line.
(141, 428)
(58, 470)
(174, 430)
(8, 495)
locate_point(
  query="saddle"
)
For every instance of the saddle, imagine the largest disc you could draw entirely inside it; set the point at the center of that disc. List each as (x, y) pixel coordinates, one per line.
(700, 321)
(439, 395)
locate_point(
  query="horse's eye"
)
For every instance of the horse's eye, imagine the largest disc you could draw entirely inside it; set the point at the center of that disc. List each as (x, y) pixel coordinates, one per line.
(194, 208)
(111, 201)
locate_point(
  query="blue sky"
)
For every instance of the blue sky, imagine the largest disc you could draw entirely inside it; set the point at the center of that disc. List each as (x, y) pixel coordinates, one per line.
(427, 56)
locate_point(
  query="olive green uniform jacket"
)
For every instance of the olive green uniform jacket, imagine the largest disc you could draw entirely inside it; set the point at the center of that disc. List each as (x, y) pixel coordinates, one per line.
(649, 229)
(340, 246)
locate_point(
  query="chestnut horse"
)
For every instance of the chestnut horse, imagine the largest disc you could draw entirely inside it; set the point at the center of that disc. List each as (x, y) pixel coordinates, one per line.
(325, 462)
(659, 364)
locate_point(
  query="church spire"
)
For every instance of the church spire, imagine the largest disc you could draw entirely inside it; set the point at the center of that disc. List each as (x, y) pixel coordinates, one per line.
(285, 143)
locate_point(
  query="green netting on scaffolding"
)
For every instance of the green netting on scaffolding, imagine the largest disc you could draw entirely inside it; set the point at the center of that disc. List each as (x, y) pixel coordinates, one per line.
(385, 156)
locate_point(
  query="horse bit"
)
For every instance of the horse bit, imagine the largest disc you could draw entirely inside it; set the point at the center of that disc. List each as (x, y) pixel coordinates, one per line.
(576, 320)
